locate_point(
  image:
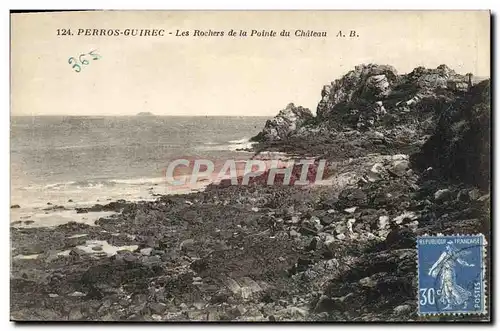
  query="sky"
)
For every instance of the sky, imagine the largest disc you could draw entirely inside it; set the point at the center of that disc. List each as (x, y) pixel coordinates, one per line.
(239, 76)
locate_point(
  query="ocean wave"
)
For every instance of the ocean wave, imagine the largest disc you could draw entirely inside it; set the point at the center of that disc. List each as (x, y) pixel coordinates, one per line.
(96, 183)
(70, 184)
(57, 185)
(231, 145)
(140, 181)
(239, 141)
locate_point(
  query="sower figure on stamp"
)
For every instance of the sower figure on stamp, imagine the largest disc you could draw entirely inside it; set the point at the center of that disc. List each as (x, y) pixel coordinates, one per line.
(444, 268)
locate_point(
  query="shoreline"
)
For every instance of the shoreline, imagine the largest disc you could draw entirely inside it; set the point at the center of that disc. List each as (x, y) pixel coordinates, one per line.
(25, 215)
(247, 244)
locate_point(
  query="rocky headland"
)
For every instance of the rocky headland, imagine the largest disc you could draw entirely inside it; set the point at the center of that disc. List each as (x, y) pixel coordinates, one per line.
(408, 154)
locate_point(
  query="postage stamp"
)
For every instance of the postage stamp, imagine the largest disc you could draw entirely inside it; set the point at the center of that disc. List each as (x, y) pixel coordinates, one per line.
(451, 274)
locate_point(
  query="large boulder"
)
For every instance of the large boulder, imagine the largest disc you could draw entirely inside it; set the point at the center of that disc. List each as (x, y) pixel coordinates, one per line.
(375, 95)
(287, 121)
(365, 81)
(434, 78)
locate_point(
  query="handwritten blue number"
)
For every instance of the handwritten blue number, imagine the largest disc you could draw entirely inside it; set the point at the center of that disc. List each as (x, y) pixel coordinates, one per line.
(95, 55)
(76, 66)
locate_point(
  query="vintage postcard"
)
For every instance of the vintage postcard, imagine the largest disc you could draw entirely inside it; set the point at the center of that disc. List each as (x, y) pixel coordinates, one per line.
(267, 166)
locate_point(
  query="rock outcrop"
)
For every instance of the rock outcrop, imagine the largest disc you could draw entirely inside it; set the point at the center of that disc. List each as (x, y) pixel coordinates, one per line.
(370, 82)
(460, 147)
(372, 97)
(288, 120)
(372, 109)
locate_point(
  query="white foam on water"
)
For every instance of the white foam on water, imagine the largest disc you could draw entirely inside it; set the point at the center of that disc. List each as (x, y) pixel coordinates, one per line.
(55, 218)
(140, 181)
(231, 145)
(239, 141)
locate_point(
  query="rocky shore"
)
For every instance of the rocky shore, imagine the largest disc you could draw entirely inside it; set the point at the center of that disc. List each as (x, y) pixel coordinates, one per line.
(409, 155)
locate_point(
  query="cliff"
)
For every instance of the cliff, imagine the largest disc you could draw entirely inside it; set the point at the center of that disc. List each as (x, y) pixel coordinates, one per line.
(459, 149)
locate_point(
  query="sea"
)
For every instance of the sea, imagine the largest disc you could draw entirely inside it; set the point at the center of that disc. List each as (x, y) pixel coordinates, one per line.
(59, 163)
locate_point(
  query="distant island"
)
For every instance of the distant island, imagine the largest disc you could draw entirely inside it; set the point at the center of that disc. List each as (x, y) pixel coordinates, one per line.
(145, 113)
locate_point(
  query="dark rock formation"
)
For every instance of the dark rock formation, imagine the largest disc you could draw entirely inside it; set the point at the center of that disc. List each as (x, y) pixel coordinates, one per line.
(460, 146)
(373, 97)
(288, 120)
(365, 81)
